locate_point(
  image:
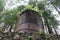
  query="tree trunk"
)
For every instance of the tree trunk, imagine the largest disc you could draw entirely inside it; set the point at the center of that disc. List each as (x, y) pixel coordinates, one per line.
(10, 29)
(55, 30)
(56, 9)
(47, 24)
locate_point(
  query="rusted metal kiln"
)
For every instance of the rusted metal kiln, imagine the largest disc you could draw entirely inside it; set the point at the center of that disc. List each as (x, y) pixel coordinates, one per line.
(29, 22)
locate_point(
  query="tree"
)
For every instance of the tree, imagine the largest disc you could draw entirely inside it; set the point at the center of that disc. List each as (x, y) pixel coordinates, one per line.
(55, 3)
(1, 5)
(11, 17)
(45, 13)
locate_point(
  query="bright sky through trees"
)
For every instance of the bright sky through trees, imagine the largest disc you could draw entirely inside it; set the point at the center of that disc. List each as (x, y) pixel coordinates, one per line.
(14, 3)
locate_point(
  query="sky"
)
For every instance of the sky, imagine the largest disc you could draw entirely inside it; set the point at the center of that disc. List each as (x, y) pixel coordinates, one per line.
(10, 4)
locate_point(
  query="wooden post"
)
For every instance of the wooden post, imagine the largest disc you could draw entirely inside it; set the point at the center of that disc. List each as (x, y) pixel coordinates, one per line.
(29, 21)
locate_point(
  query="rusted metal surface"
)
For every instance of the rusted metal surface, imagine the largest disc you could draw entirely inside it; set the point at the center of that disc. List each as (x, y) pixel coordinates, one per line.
(29, 21)
(29, 27)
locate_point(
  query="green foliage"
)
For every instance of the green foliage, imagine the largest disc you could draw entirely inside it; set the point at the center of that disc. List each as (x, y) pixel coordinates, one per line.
(56, 2)
(50, 18)
(1, 5)
(20, 8)
(11, 17)
(41, 6)
(33, 3)
(28, 7)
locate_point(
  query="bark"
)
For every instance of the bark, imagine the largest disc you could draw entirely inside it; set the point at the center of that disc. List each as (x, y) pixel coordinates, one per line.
(47, 24)
(10, 29)
(55, 30)
(56, 9)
